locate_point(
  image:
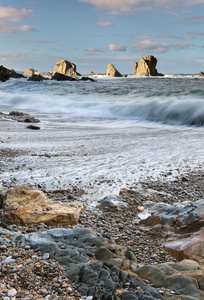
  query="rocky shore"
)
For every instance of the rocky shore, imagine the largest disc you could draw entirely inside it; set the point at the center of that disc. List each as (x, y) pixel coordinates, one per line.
(120, 259)
(144, 243)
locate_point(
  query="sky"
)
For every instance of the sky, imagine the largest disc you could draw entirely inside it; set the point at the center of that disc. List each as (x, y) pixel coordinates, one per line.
(94, 33)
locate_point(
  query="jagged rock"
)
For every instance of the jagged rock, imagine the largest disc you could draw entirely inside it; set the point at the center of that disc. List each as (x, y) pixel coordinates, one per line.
(48, 74)
(147, 67)
(65, 67)
(201, 74)
(37, 73)
(135, 67)
(30, 206)
(5, 74)
(91, 73)
(36, 77)
(112, 71)
(87, 79)
(180, 225)
(29, 72)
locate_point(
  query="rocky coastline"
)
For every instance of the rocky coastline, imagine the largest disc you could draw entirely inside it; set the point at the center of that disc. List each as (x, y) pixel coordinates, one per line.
(112, 252)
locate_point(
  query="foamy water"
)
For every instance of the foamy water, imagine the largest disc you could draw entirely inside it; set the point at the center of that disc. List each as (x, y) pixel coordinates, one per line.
(106, 135)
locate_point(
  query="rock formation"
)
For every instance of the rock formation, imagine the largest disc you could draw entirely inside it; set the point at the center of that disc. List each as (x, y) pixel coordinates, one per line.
(29, 206)
(201, 74)
(48, 74)
(65, 67)
(146, 67)
(29, 72)
(112, 71)
(38, 73)
(5, 74)
(37, 77)
(91, 73)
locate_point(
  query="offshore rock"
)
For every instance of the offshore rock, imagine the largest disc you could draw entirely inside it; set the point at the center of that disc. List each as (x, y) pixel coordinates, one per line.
(65, 67)
(29, 72)
(180, 225)
(146, 67)
(91, 73)
(112, 71)
(61, 77)
(30, 206)
(38, 73)
(184, 278)
(48, 74)
(98, 267)
(201, 74)
(5, 74)
(36, 77)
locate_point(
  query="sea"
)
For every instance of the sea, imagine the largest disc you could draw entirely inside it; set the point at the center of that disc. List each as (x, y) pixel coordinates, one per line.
(116, 132)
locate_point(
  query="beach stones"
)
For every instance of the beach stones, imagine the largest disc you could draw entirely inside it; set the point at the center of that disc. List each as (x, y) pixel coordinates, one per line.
(111, 203)
(30, 206)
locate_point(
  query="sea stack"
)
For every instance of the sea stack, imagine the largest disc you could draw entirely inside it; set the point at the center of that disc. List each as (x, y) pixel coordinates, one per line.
(65, 67)
(112, 71)
(146, 67)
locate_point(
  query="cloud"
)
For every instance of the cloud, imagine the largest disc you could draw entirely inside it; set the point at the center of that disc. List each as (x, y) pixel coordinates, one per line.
(104, 24)
(11, 28)
(128, 6)
(15, 15)
(138, 36)
(38, 42)
(119, 47)
(92, 51)
(153, 46)
(182, 46)
(10, 15)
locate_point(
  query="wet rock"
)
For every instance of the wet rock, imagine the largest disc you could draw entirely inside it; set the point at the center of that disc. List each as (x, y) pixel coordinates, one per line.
(30, 206)
(36, 77)
(111, 203)
(33, 127)
(96, 265)
(185, 277)
(5, 74)
(185, 235)
(22, 117)
(62, 77)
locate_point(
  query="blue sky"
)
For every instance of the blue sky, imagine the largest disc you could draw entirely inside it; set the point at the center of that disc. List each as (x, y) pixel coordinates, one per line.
(94, 33)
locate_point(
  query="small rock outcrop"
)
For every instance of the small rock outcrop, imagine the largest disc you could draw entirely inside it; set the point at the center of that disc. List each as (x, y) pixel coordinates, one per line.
(61, 77)
(65, 67)
(30, 206)
(5, 74)
(146, 67)
(48, 74)
(201, 73)
(36, 77)
(112, 71)
(29, 72)
(38, 73)
(91, 73)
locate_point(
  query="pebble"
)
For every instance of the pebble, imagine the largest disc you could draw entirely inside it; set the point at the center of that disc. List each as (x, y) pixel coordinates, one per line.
(8, 260)
(11, 293)
(46, 256)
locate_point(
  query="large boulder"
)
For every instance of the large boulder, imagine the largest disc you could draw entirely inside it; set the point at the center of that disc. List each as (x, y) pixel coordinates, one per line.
(65, 67)
(112, 71)
(29, 72)
(201, 74)
(61, 77)
(146, 67)
(5, 74)
(30, 206)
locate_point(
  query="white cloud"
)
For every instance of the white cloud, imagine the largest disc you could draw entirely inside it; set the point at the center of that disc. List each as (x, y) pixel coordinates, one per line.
(10, 15)
(15, 15)
(104, 24)
(11, 28)
(119, 47)
(153, 46)
(138, 36)
(128, 6)
(182, 46)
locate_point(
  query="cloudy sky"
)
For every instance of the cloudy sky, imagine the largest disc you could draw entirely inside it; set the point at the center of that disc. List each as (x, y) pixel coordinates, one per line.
(94, 33)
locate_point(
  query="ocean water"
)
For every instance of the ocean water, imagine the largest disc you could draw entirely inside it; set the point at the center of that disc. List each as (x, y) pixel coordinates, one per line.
(177, 100)
(106, 135)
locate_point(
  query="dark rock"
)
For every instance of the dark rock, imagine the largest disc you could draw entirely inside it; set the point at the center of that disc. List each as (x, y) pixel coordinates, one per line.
(201, 74)
(5, 74)
(61, 77)
(22, 117)
(33, 127)
(111, 203)
(36, 77)
(88, 79)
